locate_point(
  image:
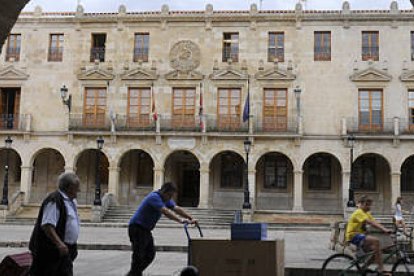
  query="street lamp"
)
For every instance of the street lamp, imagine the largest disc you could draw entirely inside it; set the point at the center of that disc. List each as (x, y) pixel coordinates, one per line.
(5, 199)
(297, 92)
(351, 199)
(246, 203)
(100, 142)
(66, 100)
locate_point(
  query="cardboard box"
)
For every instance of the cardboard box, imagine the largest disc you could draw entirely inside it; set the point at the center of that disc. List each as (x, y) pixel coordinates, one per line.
(249, 231)
(238, 258)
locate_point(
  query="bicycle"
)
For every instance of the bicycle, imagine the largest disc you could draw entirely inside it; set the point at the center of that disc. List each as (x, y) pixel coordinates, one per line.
(344, 264)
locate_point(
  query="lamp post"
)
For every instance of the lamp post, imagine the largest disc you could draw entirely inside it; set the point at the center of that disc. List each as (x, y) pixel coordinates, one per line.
(5, 199)
(351, 199)
(246, 203)
(66, 99)
(100, 142)
(297, 92)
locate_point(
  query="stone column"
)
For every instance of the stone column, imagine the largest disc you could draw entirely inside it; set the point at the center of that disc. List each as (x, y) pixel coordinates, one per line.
(204, 188)
(346, 175)
(395, 186)
(26, 182)
(251, 175)
(158, 178)
(113, 179)
(298, 191)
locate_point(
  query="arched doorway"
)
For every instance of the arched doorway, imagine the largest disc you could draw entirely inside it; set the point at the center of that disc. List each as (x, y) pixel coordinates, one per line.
(274, 182)
(322, 178)
(14, 174)
(136, 177)
(183, 169)
(48, 164)
(407, 181)
(86, 170)
(371, 176)
(227, 177)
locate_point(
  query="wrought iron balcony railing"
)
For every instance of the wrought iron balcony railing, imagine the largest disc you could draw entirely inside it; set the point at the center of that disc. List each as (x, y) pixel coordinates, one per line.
(13, 122)
(276, 125)
(180, 123)
(134, 123)
(226, 123)
(98, 53)
(89, 122)
(382, 127)
(55, 54)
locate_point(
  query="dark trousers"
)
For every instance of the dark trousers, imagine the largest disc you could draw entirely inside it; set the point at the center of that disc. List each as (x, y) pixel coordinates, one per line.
(143, 250)
(52, 266)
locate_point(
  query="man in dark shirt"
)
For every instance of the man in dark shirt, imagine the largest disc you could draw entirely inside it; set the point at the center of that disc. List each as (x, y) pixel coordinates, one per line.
(144, 220)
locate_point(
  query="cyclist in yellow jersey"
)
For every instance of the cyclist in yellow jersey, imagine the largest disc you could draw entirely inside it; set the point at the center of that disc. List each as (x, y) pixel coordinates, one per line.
(356, 230)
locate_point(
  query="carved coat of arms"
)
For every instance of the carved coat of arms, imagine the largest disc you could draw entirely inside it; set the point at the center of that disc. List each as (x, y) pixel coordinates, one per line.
(185, 56)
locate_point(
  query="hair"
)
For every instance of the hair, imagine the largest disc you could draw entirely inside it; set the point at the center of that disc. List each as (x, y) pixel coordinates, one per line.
(168, 187)
(398, 201)
(189, 271)
(66, 180)
(365, 199)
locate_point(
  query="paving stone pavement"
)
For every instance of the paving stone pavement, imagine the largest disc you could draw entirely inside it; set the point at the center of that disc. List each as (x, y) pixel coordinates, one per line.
(302, 249)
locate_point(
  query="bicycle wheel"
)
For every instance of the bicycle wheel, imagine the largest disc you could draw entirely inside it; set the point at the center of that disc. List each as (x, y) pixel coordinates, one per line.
(400, 268)
(340, 264)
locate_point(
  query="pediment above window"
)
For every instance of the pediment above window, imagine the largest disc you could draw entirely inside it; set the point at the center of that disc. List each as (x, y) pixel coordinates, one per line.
(95, 74)
(275, 74)
(229, 74)
(184, 75)
(139, 74)
(370, 75)
(12, 73)
(407, 76)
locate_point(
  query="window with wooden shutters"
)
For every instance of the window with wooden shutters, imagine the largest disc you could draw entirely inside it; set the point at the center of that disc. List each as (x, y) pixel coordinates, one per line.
(13, 47)
(322, 46)
(276, 169)
(319, 174)
(98, 45)
(94, 107)
(412, 46)
(138, 110)
(229, 108)
(276, 47)
(230, 47)
(275, 109)
(363, 174)
(370, 110)
(183, 107)
(55, 47)
(9, 108)
(370, 46)
(411, 109)
(141, 47)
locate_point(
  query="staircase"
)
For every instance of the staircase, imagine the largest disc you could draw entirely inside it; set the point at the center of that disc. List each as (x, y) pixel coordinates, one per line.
(208, 218)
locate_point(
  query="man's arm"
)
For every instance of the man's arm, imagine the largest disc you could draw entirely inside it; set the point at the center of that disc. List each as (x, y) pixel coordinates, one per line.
(378, 226)
(50, 232)
(172, 216)
(184, 214)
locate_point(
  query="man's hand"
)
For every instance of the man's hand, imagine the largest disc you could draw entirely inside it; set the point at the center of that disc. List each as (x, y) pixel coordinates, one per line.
(63, 249)
(387, 231)
(189, 221)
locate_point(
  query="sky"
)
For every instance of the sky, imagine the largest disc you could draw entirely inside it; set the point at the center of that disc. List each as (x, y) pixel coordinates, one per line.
(155, 5)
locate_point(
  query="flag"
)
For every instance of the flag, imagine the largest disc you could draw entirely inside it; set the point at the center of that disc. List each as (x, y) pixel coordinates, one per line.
(154, 112)
(246, 111)
(200, 112)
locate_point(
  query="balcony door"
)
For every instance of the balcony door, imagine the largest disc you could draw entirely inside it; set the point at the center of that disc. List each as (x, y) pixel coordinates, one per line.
(275, 110)
(183, 108)
(94, 107)
(370, 110)
(229, 102)
(9, 107)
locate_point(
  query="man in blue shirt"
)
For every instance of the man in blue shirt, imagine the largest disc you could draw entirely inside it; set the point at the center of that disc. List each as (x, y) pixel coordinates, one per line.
(144, 220)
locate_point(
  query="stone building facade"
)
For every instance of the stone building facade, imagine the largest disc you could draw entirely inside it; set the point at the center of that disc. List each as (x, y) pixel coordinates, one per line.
(167, 91)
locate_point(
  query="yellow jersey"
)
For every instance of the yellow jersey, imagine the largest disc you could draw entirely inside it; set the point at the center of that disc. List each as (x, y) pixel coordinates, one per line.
(356, 223)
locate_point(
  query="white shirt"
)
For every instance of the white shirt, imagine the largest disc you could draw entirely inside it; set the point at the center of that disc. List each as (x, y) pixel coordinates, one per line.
(51, 216)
